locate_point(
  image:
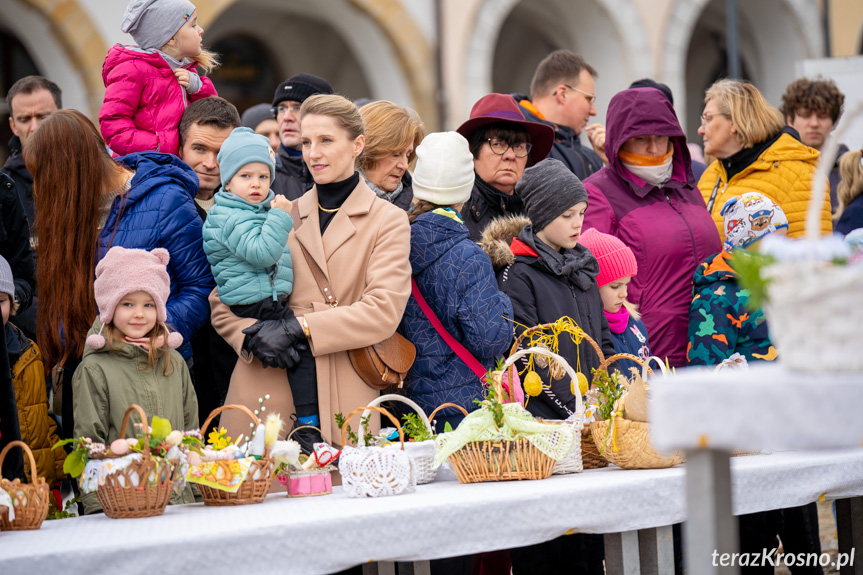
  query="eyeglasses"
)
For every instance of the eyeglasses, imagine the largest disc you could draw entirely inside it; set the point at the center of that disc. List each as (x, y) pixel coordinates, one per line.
(281, 109)
(591, 98)
(705, 119)
(499, 147)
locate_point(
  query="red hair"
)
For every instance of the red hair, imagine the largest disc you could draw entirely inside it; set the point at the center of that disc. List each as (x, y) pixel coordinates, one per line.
(72, 171)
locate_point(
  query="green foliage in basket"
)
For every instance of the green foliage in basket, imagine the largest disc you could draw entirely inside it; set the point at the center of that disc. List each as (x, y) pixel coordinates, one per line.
(415, 428)
(492, 401)
(608, 390)
(364, 423)
(748, 266)
(54, 513)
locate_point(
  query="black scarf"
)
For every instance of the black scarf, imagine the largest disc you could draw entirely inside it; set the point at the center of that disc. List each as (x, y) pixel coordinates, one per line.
(331, 196)
(578, 265)
(497, 200)
(737, 162)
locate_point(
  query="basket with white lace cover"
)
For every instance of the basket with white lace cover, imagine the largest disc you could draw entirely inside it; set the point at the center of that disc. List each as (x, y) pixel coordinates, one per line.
(517, 447)
(372, 471)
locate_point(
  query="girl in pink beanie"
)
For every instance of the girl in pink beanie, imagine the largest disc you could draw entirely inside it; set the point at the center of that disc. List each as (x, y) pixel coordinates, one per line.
(617, 265)
(130, 355)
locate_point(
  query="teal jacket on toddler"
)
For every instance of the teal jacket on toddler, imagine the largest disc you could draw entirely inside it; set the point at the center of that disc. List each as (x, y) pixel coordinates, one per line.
(247, 247)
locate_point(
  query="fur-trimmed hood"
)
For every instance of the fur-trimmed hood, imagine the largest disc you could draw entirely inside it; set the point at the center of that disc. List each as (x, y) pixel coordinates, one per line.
(497, 237)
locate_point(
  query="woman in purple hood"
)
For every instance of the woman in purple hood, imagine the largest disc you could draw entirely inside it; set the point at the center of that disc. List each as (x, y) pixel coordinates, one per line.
(647, 197)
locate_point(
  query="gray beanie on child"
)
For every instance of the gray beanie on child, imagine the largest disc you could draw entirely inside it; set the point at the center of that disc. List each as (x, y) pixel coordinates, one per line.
(6, 283)
(153, 22)
(548, 189)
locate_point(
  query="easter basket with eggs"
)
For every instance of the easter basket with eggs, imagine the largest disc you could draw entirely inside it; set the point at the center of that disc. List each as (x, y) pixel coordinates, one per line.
(233, 474)
(22, 505)
(132, 477)
(547, 337)
(501, 441)
(622, 433)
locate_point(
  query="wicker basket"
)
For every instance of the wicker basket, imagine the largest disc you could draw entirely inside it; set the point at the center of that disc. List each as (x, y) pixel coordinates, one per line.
(306, 482)
(251, 490)
(371, 471)
(422, 452)
(122, 496)
(626, 443)
(590, 457)
(505, 460)
(31, 499)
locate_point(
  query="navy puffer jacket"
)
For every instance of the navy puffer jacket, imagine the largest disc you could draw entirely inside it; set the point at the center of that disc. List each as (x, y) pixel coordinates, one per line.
(456, 279)
(159, 212)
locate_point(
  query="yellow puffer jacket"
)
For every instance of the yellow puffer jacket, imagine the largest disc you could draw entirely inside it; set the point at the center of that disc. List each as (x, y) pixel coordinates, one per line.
(38, 430)
(783, 173)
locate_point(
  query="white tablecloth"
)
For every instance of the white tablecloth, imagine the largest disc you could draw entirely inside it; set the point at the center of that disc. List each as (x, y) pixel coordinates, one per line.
(766, 406)
(330, 533)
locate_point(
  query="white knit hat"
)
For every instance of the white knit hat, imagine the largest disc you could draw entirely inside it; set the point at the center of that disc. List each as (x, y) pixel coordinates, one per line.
(444, 173)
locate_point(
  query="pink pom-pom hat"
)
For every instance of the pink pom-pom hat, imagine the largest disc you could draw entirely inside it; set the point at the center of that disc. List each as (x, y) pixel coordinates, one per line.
(615, 258)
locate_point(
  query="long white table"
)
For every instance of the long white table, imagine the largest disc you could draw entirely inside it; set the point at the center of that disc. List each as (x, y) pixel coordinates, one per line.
(443, 519)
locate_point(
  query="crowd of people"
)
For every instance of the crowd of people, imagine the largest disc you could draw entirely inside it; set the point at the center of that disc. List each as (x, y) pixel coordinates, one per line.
(181, 256)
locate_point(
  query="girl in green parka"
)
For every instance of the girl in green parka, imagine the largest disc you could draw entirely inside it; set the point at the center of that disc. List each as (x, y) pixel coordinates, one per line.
(130, 355)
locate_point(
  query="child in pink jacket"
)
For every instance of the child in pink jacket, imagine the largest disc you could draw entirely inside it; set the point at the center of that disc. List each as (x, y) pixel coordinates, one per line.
(148, 86)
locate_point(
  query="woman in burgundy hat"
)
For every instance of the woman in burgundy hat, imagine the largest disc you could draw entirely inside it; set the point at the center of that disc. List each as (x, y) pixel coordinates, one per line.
(503, 144)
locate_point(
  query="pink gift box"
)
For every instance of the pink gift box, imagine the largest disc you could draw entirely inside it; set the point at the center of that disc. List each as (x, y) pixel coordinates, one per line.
(308, 483)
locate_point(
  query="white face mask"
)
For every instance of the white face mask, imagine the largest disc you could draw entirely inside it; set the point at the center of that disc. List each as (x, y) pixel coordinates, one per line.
(653, 175)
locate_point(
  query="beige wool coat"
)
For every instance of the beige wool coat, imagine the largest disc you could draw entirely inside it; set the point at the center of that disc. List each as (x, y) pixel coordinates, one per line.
(365, 255)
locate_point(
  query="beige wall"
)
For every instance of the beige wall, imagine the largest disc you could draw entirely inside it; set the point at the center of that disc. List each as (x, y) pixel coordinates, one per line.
(846, 27)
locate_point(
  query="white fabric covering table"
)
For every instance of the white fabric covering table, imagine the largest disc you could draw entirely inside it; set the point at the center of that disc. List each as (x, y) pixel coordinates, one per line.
(330, 533)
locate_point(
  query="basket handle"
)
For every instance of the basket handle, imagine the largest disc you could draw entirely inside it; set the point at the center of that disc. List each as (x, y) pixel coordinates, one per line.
(646, 366)
(239, 407)
(26, 449)
(144, 422)
(441, 406)
(380, 410)
(618, 356)
(579, 405)
(395, 397)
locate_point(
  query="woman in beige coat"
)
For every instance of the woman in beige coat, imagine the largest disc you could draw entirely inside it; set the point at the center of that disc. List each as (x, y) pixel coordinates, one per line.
(362, 244)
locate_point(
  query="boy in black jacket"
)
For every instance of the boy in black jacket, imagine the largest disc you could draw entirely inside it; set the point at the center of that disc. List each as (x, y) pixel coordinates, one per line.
(548, 275)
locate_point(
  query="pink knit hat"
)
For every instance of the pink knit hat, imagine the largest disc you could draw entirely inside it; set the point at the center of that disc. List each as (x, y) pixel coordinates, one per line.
(616, 260)
(123, 271)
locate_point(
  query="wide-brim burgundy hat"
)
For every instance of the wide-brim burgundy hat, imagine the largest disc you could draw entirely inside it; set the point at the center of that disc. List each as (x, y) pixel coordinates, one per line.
(495, 108)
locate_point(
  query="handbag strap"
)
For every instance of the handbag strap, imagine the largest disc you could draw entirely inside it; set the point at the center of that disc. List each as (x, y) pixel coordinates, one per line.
(317, 272)
(457, 347)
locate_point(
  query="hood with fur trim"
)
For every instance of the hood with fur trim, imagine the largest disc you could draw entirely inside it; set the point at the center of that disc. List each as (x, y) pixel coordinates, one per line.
(497, 238)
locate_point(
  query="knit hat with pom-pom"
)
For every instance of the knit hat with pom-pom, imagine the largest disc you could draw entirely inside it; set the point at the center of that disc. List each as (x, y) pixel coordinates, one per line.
(615, 258)
(123, 271)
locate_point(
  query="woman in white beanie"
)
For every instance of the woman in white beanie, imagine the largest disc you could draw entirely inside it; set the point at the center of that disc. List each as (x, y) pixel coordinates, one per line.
(456, 280)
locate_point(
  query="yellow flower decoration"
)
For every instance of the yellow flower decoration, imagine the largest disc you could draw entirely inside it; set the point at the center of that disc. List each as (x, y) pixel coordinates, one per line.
(218, 439)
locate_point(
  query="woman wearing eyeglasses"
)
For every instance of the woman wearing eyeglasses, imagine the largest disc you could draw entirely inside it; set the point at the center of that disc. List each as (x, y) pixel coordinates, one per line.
(755, 153)
(646, 196)
(503, 144)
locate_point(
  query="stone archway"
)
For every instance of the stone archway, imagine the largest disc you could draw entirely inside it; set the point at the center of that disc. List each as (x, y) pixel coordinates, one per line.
(400, 61)
(784, 33)
(608, 33)
(80, 43)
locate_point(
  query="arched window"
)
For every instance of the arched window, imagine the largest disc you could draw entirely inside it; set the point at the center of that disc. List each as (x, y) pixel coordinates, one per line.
(15, 63)
(248, 75)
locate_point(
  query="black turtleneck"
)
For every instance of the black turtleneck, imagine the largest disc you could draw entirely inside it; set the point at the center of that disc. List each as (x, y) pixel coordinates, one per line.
(332, 196)
(737, 162)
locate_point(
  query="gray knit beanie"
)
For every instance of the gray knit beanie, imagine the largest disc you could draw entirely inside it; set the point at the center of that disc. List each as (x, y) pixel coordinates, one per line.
(6, 283)
(256, 114)
(153, 22)
(548, 189)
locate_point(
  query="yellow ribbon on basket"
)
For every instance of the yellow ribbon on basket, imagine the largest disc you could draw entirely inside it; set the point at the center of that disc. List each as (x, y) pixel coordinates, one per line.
(613, 439)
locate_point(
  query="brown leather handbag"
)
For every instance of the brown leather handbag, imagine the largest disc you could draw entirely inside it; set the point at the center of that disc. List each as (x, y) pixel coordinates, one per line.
(381, 365)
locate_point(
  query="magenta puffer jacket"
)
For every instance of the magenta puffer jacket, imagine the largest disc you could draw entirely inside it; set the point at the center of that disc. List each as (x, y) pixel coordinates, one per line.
(143, 101)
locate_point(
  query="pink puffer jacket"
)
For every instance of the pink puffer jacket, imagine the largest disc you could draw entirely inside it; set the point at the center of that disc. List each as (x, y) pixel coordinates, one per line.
(143, 101)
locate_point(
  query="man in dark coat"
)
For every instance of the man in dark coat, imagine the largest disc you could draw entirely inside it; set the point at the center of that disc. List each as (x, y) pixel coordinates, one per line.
(293, 178)
(563, 96)
(204, 127)
(31, 99)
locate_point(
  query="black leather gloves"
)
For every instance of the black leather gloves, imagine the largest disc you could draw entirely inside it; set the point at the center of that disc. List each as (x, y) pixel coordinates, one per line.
(274, 342)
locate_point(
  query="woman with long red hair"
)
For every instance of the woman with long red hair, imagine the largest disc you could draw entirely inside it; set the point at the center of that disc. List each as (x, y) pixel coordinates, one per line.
(86, 203)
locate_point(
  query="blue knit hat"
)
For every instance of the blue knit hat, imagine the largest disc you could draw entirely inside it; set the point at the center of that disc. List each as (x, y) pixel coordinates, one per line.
(243, 147)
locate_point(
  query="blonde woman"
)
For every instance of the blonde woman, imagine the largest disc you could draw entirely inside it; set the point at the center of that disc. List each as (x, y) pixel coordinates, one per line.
(362, 244)
(849, 213)
(755, 152)
(392, 136)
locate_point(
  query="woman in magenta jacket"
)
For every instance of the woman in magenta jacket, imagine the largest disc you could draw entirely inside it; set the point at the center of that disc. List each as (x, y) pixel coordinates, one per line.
(647, 197)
